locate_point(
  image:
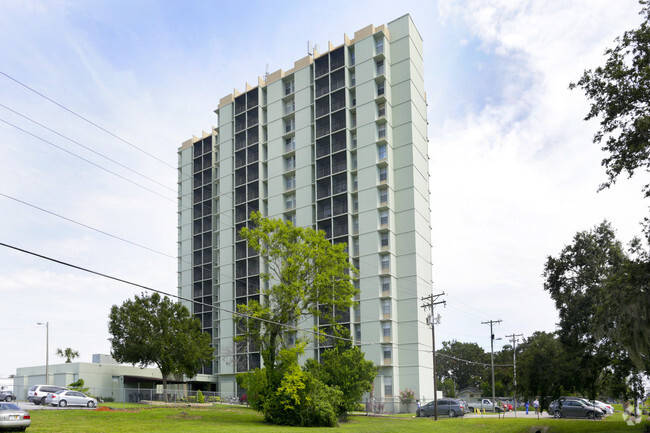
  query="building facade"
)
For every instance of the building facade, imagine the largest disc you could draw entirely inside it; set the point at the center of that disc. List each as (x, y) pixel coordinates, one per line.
(337, 143)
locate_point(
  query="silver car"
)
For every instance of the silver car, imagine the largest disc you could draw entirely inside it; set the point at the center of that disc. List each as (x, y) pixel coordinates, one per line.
(13, 417)
(70, 398)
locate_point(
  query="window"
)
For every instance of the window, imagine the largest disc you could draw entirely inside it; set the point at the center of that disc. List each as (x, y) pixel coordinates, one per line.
(381, 88)
(379, 46)
(388, 354)
(290, 163)
(354, 141)
(290, 202)
(383, 197)
(385, 263)
(355, 182)
(288, 87)
(351, 58)
(382, 152)
(380, 67)
(357, 332)
(384, 240)
(353, 79)
(388, 386)
(291, 218)
(385, 285)
(381, 131)
(385, 329)
(289, 107)
(289, 125)
(290, 144)
(385, 307)
(381, 109)
(383, 218)
(383, 174)
(290, 182)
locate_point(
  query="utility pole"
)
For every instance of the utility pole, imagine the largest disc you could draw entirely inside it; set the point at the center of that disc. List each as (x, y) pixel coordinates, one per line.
(514, 363)
(430, 302)
(491, 323)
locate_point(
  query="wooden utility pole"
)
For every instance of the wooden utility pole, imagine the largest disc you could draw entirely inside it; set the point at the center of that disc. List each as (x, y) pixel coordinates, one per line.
(491, 323)
(514, 339)
(430, 302)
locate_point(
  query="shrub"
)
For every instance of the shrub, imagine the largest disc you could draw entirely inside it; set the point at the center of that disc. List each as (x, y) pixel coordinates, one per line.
(199, 397)
(407, 396)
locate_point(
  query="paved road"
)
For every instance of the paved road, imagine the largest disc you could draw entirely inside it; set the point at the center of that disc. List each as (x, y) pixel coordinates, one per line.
(510, 414)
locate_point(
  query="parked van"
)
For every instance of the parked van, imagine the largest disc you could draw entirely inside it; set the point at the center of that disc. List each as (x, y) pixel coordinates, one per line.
(37, 393)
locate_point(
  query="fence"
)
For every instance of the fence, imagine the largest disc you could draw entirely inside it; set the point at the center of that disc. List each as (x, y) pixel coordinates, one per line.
(137, 395)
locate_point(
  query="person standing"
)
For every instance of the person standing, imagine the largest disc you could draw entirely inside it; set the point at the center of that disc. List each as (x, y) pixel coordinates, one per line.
(527, 405)
(536, 405)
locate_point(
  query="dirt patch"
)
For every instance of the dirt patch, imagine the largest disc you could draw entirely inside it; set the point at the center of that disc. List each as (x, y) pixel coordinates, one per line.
(104, 409)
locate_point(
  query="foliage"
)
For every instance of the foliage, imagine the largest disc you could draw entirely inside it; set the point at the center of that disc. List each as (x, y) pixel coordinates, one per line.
(448, 387)
(603, 302)
(155, 330)
(407, 396)
(67, 353)
(305, 271)
(345, 368)
(619, 93)
(542, 368)
(450, 366)
(78, 386)
(291, 395)
(199, 397)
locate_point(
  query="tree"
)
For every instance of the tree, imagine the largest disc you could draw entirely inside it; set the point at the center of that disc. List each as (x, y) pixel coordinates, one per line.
(308, 276)
(542, 368)
(451, 363)
(155, 330)
(620, 95)
(68, 354)
(601, 295)
(345, 368)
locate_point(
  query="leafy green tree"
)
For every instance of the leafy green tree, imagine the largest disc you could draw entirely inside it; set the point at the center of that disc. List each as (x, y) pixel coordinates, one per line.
(619, 93)
(308, 277)
(450, 364)
(305, 272)
(542, 368)
(345, 368)
(154, 330)
(294, 396)
(67, 353)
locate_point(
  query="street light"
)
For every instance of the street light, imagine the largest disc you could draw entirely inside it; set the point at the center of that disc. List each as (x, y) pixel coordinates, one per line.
(47, 350)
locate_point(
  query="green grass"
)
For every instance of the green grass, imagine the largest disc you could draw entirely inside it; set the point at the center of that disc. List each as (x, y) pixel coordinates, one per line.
(223, 418)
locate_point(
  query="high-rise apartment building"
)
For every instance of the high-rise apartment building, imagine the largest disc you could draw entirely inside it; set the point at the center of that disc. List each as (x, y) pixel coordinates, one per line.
(338, 143)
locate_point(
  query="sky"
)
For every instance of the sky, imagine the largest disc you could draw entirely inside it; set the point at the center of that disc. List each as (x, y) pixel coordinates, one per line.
(513, 170)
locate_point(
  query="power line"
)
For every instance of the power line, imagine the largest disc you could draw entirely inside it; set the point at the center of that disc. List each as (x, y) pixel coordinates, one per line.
(86, 147)
(86, 120)
(87, 226)
(84, 159)
(211, 306)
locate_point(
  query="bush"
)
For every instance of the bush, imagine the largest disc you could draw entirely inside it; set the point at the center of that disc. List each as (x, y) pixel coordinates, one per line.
(199, 397)
(214, 399)
(105, 399)
(407, 396)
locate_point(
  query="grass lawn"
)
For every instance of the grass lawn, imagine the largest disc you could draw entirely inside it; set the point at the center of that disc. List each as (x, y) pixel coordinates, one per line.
(224, 419)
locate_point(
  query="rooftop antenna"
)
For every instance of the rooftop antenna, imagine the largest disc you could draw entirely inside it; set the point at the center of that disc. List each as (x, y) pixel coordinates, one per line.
(309, 51)
(315, 47)
(266, 73)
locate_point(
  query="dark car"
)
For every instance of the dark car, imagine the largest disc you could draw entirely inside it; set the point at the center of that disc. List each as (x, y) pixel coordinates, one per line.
(7, 396)
(574, 409)
(446, 406)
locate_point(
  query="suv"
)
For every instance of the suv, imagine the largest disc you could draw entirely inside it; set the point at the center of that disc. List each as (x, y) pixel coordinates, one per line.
(37, 393)
(446, 406)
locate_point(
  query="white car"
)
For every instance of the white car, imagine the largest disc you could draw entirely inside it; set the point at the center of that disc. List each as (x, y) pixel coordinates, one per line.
(607, 408)
(70, 398)
(13, 417)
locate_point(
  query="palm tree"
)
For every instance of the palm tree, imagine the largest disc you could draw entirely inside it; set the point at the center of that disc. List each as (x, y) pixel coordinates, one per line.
(68, 354)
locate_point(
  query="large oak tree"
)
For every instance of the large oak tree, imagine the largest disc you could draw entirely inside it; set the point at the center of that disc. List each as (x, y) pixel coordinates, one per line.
(155, 330)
